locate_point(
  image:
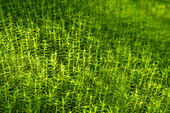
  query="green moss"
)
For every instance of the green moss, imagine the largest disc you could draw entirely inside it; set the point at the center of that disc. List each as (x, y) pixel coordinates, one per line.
(82, 56)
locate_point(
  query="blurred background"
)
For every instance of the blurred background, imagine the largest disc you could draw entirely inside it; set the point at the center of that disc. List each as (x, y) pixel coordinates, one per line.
(159, 9)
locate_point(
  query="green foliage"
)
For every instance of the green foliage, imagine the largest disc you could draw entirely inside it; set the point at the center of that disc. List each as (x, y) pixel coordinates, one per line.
(82, 56)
